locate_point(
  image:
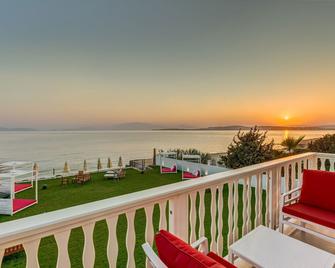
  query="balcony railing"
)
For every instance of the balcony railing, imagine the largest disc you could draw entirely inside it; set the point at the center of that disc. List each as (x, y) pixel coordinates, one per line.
(235, 201)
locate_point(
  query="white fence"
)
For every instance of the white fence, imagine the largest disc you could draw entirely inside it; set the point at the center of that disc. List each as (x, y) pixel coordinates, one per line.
(205, 169)
(218, 196)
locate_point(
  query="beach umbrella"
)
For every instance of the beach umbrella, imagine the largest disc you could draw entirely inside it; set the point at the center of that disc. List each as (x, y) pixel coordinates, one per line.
(120, 164)
(85, 165)
(66, 168)
(99, 166)
(109, 163)
(36, 169)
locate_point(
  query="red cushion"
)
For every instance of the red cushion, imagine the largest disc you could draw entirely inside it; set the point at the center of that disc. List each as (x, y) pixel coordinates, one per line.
(313, 214)
(171, 169)
(318, 189)
(175, 253)
(167, 170)
(218, 259)
(189, 175)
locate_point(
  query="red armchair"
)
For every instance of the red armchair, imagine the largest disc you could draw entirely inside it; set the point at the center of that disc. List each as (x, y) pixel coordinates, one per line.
(175, 253)
(311, 204)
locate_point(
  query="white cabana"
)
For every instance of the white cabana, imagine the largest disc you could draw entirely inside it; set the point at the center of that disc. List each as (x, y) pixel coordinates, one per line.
(164, 168)
(191, 171)
(20, 177)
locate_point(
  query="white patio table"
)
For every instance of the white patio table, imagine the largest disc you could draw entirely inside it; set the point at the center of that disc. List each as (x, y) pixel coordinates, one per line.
(266, 248)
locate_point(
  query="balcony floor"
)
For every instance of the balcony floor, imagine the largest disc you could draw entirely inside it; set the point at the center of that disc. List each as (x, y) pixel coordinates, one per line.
(302, 236)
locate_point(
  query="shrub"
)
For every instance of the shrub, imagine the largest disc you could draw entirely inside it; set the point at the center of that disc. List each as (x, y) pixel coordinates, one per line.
(291, 144)
(248, 148)
(326, 144)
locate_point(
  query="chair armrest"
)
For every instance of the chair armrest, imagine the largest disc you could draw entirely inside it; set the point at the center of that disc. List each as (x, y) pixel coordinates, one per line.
(292, 191)
(201, 245)
(152, 256)
(289, 193)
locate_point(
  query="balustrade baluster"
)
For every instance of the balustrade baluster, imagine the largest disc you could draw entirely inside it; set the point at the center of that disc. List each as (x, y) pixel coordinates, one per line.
(260, 195)
(162, 216)
(235, 229)
(332, 161)
(112, 246)
(2, 252)
(220, 221)
(245, 208)
(249, 205)
(89, 250)
(267, 209)
(130, 239)
(193, 216)
(201, 213)
(62, 240)
(230, 214)
(323, 165)
(287, 178)
(213, 245)
(149, 228)
(31, 249)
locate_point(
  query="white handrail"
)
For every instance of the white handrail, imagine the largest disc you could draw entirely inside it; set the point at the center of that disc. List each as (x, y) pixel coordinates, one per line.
(138, 199)
(31, 229)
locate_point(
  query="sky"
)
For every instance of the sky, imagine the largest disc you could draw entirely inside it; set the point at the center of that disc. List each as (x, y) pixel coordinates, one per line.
(180, 62)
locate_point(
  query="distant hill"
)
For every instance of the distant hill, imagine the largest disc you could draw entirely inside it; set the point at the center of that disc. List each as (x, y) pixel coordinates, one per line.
(130, 126)
(123, 126)
(134, 126)
(16, 129)
(240, 127)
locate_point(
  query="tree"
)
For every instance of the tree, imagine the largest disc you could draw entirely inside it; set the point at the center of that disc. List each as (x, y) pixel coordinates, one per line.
(291, 143)
(203, 156)
(326, 144)
(248, 148)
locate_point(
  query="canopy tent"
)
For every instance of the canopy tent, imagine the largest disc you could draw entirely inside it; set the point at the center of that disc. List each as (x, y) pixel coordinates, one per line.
(22, 176)
(191, 171)
(172, 167)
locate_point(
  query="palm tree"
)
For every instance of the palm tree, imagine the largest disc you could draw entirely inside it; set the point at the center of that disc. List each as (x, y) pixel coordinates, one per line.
(291, 143)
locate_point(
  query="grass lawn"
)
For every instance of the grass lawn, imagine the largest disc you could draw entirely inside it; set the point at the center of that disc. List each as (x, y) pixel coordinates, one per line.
(58, 196)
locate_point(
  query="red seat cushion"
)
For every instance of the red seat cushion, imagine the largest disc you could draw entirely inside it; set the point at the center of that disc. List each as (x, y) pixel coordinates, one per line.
(175, 253)
(189, 175)
(220, 260)
(171, 169)
(166, 169)
(313, 214)
(318, 189)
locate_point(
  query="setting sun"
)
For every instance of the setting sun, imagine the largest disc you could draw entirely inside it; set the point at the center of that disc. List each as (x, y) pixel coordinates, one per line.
(286, 118)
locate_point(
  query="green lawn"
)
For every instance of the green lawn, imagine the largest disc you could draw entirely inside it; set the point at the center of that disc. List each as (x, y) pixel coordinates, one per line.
(58, 196)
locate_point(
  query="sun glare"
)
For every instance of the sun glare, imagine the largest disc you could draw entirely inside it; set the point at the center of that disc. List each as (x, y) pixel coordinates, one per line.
(286, 118)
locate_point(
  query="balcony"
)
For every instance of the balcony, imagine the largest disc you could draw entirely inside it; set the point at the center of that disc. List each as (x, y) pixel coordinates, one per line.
(223, 207)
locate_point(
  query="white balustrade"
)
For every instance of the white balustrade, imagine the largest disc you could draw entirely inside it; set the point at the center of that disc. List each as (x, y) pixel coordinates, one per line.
(188, 203)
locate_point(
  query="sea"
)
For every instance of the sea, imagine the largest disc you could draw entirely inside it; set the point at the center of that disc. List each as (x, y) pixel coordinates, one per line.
(50, 149)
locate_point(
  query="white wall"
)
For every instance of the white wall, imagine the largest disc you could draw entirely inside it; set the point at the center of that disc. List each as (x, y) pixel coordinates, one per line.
(168, 162)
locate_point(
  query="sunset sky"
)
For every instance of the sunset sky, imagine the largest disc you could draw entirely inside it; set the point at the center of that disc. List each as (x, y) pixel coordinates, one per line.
(190, 62)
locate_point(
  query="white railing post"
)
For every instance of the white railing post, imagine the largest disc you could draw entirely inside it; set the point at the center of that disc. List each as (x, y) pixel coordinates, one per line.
(275, 193)
(178, 218)
(313, 162)
(2, 253)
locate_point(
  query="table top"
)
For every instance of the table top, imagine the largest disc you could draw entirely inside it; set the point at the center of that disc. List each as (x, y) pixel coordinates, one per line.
(264, 247)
